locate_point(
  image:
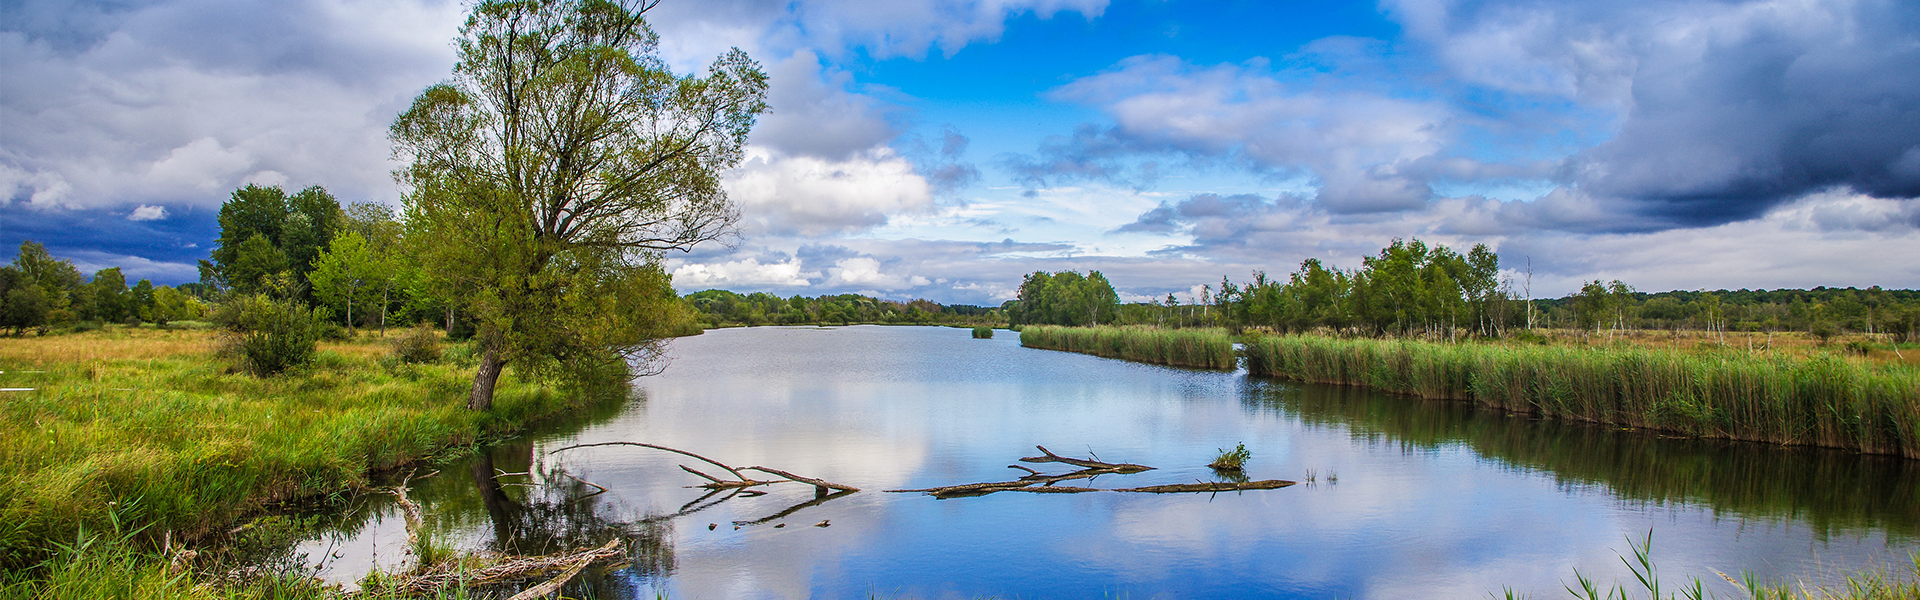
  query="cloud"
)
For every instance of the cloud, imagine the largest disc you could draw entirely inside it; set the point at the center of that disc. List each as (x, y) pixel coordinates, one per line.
(1724, 110)
(147, 212)
(813, 113)
(810, 196)
(1369, 151)
(178, 102)
(876, 28)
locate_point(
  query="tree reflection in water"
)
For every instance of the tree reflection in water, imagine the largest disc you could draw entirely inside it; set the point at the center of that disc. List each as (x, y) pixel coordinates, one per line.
(1833, 491)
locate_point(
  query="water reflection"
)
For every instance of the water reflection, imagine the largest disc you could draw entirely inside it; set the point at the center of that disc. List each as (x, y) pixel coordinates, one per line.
(1433, 499)
(1831, 491)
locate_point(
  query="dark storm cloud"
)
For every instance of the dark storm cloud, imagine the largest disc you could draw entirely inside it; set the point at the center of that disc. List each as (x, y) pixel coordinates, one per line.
(1728, 109)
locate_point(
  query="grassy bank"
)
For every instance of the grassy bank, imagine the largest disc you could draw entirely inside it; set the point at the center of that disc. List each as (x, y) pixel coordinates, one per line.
(1198, 348)
(1821, 401)
(142, 435)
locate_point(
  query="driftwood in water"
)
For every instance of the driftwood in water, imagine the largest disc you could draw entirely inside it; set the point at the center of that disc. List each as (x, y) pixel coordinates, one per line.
(1040, 483)
(740, 481)
(1084, 463)
(497, 570)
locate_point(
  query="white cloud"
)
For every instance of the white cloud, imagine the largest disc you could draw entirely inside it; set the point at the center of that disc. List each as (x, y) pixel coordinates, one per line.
(147, 212)
(812, 196)
(749, 272)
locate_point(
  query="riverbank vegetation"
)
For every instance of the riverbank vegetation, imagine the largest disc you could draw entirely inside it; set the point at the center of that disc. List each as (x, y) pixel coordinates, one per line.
(1828, 400)
(1197, 348)
(149, 435)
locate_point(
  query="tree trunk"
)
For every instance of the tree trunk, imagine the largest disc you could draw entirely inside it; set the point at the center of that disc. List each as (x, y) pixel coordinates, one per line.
(490, 365)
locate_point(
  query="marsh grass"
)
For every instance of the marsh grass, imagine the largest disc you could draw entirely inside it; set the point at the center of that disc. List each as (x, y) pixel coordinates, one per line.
(1865, 584)
(1196, 348)
(983, 333)
(1825, 400)
(161, 444)
(1231, 460)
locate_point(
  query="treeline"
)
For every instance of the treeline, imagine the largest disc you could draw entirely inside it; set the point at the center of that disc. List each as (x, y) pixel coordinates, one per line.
(305, 248)
(1064, 298)
(39, 292)
(721, 308)
(1412, 289)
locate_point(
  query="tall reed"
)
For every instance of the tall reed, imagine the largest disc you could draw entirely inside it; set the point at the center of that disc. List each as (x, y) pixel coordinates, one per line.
(1822, 401)
(1198, 348)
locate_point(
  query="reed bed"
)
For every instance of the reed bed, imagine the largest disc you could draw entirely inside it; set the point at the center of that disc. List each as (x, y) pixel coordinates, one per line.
(1197, 348)
(1820, 401)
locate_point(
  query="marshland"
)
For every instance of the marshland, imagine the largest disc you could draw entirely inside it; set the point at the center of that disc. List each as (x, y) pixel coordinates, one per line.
(503, 381)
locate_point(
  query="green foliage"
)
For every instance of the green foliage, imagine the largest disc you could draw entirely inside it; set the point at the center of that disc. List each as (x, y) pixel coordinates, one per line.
(291, 231)
(1231, 460)
(1198, 348)
(418, 345)
(1064, 298)
(269, 336)
(1825, 401)
(982, 333)
(348, 274)
(564, 268)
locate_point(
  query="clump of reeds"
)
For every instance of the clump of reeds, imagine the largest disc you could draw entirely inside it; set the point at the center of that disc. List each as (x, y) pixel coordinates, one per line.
(1231, 460)
(1198, 348)
(983, 333)
(1824, 401)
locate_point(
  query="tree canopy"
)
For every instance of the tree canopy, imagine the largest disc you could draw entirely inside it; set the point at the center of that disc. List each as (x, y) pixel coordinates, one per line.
(547, 176)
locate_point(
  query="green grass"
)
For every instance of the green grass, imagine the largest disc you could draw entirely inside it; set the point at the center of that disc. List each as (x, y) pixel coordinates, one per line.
(1865, 584)
(1826, 400)
(983, 333)
(1197, 348)
(176, 446)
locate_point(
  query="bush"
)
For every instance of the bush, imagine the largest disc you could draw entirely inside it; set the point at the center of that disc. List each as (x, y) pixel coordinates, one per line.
(419, 345)
(269, 336)
(983, 333)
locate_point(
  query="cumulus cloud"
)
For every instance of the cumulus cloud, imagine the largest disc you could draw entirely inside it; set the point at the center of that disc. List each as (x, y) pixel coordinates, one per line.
(811, 196)
(146, 212)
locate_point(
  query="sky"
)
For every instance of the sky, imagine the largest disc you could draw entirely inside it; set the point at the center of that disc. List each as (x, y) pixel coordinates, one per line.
(942, 149)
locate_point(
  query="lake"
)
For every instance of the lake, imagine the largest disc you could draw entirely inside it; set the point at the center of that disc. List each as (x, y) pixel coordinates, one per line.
(1409, 498)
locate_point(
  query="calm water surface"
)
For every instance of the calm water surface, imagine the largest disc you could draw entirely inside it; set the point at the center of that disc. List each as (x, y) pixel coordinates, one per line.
(1432, 499)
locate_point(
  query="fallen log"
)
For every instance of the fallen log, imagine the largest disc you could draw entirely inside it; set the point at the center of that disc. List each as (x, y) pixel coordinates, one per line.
(1085, 463)
(715, 483)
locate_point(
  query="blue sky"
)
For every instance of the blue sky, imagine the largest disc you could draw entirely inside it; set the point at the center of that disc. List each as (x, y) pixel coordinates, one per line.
(943, 148)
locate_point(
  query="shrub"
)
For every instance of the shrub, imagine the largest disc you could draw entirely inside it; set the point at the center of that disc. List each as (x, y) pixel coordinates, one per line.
(419, 345)
(982, 333)
(268, 336)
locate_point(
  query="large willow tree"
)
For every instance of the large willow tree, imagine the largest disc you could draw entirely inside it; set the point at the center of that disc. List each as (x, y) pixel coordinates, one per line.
(551, 172)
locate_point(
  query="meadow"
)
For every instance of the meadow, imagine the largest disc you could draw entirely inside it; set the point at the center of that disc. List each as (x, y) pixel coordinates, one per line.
(119, 443)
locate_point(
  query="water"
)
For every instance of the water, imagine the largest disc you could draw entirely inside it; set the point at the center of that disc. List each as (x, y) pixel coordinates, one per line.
(1411, 498)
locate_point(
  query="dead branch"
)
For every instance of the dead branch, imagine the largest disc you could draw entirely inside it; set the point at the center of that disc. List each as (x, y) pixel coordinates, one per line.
(1084, 463)
(500, 569)
(410, 510)
(710, 461)
(1042, 483)
(795, 508)
(702, 475)
(807, 480)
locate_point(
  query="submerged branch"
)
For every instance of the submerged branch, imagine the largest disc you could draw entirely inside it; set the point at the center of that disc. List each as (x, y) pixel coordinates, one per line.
(713, 462)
